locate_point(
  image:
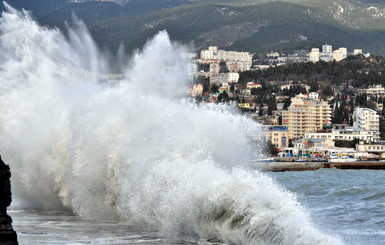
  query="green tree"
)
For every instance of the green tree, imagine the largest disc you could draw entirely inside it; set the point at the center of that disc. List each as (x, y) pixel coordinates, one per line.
(260, 111)
(327, 91)
(214, 88)
(271, 149)
(225, 96)
(271, 106)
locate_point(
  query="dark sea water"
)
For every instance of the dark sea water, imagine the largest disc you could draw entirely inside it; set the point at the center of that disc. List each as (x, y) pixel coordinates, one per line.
(347, 203)
(350, 203)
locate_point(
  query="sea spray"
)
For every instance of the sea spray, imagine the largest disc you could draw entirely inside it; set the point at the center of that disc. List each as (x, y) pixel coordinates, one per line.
(134, 151)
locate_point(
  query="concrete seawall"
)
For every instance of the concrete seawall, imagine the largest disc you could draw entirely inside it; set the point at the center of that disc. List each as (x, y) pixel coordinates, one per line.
(288, 166)
(380, 165)
(306, 166)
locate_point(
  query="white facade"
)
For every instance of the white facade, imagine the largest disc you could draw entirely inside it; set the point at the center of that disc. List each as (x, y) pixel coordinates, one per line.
(243, 58)
(327, 49)
(313, 95)
(314, 55)
(367, 119)
(357, 51)
(230, 77)
(343, 134)
(373, 90)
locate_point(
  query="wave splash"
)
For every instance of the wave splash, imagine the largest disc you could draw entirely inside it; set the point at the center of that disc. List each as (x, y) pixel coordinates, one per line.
(134, 151)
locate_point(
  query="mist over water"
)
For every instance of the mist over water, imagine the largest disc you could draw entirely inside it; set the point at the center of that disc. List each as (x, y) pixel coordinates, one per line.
(135, 151)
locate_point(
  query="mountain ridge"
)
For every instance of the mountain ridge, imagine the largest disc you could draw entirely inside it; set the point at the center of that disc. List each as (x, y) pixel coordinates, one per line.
(254, 26)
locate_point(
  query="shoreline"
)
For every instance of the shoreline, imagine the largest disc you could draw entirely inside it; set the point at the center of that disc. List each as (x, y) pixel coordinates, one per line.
(312, 166)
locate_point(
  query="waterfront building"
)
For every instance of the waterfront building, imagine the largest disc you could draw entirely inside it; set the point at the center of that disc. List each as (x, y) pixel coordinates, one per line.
(313, 144)
(305, 115)
(343, 133)
(367, 119)
(319, 134)
(350, 133)
(279, 136)
(378, 147)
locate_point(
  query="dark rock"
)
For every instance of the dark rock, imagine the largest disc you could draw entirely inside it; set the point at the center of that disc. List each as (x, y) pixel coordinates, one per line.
(7, 235)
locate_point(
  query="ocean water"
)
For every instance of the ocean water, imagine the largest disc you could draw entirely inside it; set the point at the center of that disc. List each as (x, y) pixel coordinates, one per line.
(347, 203)
(350, 203)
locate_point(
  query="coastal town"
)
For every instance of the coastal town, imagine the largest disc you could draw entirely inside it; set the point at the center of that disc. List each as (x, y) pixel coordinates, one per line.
(303, 113)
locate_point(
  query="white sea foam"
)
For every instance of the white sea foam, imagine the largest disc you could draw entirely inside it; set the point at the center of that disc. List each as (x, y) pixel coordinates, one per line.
(133, 151)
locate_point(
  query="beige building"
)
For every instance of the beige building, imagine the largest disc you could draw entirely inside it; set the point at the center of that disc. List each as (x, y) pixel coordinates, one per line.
(314, 55)
(367, 119)
(197, 90)
(305, 115)
(380, 147)
(278, 136)
(340, 54)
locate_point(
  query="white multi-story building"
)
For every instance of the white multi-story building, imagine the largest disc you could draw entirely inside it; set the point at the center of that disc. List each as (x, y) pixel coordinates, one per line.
(244, 59)
(357, 51)
(314, 55)
(340, 54)
(314, 95)
(367, 119)
(347, 133)
(327, 49)
(375, 90)
(230, 77)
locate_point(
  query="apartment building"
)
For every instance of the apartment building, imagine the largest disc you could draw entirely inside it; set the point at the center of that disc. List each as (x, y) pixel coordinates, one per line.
(314, 55)
(347, 133)
(305, 115)
(243, 59)
(340, 54)
(373, 90)
(230, 77)
(367, 119)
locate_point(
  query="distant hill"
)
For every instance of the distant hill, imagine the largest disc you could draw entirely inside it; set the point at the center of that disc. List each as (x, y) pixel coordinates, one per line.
(250, 25)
